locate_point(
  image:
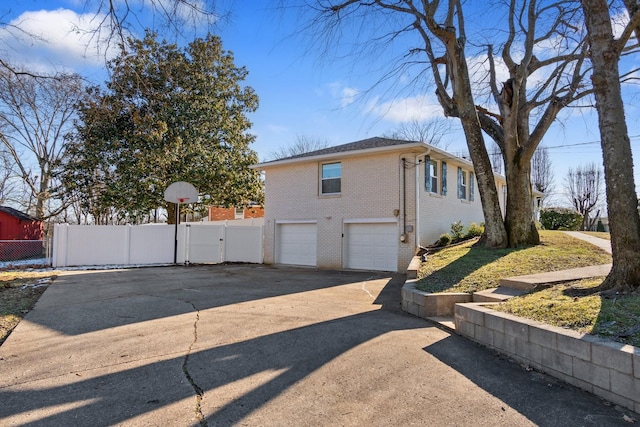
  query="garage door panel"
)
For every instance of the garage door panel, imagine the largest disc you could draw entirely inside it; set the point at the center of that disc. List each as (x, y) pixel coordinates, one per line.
(296, 244)
(371, 246)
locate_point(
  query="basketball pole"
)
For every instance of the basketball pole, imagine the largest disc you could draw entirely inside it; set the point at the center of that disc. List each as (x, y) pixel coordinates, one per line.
(175, 234)
(177, 193)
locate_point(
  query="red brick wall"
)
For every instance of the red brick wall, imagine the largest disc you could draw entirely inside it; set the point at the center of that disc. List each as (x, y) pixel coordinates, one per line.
(220, 214)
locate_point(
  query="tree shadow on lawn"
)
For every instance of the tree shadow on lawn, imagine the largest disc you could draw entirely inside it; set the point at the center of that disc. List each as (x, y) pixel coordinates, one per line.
(475, 259)
(618, 316)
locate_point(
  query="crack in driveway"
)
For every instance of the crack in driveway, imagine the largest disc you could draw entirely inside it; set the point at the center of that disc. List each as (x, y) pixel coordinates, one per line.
(185, 370)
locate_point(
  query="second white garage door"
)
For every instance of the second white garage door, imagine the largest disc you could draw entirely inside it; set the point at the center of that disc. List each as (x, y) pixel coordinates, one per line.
(296, 243)
(371, 246)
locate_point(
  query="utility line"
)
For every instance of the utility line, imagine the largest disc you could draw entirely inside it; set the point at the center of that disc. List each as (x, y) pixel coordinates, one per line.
(584, 143)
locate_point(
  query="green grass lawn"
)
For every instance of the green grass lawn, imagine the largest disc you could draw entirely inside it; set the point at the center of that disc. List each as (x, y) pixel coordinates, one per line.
(611, 318)
(469, 268)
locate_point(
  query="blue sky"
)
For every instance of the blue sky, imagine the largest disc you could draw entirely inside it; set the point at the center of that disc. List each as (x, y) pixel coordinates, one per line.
(301, 92)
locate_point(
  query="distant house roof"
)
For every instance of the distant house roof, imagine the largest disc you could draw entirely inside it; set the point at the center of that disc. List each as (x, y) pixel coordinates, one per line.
(16, 213)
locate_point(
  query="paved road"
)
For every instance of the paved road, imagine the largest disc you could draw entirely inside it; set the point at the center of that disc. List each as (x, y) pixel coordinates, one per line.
(261, 346)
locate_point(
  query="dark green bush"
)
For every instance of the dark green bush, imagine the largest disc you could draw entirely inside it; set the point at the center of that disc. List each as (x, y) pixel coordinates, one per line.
(600, 226)
(560, 219)
(444, 239)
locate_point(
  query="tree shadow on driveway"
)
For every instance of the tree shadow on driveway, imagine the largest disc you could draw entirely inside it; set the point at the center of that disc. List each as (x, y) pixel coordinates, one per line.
(333, 349)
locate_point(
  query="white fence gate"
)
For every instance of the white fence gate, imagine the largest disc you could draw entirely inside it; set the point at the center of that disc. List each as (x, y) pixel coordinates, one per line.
(76, 245)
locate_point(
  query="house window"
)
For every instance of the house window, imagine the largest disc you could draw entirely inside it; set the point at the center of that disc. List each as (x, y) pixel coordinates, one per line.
(431, 175)
(239, 213)
(331, 178)
(443, 190)
(462, 184)
(466, 185)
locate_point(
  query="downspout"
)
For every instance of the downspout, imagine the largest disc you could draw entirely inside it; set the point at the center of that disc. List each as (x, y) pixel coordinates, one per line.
(419, 160)
(403, 236)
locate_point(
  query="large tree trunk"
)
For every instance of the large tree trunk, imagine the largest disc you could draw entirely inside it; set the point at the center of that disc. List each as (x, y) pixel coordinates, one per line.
(622, 204)
(495, 235)
(171, 213)
(519, 220)
(42, 196)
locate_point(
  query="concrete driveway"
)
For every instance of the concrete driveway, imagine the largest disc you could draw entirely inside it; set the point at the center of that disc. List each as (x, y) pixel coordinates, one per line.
(261, 346)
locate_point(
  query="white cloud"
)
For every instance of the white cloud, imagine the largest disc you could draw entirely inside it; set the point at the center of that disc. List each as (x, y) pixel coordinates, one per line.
(344, 94)
(51, 40)
(348, 96)
(403, 110)
(619, 22)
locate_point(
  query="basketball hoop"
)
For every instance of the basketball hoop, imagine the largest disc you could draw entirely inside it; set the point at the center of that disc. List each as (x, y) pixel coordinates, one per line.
(179, 192)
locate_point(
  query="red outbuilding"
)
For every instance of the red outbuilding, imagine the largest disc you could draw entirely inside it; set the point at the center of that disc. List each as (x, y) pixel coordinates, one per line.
(20, 235)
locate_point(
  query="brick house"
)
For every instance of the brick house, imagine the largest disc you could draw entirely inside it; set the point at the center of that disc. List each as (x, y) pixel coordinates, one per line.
(366, 205)
(217, 213)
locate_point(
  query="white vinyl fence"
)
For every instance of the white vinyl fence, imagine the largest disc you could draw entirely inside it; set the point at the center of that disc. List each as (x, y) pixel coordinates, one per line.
(78, 245)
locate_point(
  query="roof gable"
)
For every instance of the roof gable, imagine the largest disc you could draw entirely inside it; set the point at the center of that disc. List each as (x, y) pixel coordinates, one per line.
(16, 213)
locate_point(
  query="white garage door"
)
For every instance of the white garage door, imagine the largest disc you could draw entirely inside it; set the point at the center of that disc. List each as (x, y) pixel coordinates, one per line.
(371, 246)
(296, 243)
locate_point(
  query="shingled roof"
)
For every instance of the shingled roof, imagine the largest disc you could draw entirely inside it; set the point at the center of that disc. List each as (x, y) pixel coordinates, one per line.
(16, 213)
(375, 142)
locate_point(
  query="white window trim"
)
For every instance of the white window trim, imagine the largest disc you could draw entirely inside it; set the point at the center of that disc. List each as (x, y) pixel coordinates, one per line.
(321, 180)
(434, 166)
(463, 183)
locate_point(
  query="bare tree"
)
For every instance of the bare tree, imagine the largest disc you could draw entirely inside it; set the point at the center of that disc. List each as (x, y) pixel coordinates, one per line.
(35, 115)
(7, 186)
(584, 187)
(302, 145)
(541, 50)
(622, 202)
(430, 132)
(542, 173)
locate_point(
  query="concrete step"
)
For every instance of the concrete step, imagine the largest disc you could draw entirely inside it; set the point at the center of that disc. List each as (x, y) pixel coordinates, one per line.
(532, 281)
(498, 294)
(447, 322)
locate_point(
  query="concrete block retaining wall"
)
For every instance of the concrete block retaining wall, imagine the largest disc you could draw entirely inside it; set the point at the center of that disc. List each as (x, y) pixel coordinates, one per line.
(605, 368)
(425, 304)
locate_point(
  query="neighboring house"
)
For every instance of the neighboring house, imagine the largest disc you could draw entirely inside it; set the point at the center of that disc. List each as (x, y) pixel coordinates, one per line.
(365, 205)
(217, 213)
(18, 226)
